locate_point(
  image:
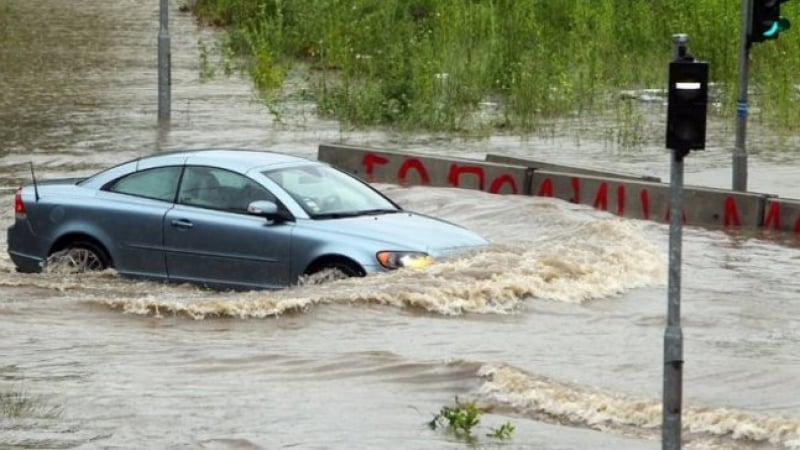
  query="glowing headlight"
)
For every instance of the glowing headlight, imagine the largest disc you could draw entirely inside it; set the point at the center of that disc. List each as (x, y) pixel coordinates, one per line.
(396, 260)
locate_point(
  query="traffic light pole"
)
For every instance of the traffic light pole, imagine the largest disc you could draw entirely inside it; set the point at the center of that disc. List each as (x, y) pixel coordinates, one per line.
(740, 151)
(164, 65)
(673, 335)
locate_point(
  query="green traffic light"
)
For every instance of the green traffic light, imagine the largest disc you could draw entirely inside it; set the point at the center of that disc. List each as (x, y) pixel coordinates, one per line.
(777, 26)
(773, 30)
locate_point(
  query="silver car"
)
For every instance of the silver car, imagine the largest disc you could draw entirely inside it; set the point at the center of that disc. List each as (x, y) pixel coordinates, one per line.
(223, 218)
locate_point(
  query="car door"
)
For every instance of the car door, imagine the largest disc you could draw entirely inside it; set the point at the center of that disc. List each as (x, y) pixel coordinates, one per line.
(130, 213)
(210, 239)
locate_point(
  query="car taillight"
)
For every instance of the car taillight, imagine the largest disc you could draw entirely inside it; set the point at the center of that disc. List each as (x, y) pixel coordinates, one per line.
(19, 206)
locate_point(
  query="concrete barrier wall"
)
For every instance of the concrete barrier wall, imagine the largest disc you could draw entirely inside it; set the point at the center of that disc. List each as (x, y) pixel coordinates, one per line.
(416, 169)
(628, 197)
(781, 215)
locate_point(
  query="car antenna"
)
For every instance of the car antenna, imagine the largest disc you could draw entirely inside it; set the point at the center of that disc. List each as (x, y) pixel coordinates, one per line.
(35, 188)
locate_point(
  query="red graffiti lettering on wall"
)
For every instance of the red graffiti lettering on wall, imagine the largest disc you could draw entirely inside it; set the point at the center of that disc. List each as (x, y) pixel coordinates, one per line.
(601, 196)
(731, 217)
(773, 216)
(454, 175)
(370, 161)
(546, 188)
(621, 200)
(576, 190)
(644, 196)
(731, 213)
(500, 181)
(601, 199)
(413, 163)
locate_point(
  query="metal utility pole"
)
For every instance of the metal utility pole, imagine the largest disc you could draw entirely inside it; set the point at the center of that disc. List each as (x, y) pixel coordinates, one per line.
(673, 335)
(740, 151)
(164, 68)
(686, 130)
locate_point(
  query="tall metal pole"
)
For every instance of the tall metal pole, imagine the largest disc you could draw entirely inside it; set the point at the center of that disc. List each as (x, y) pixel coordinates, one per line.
(673, 335)
(740, 152)
(164, 69)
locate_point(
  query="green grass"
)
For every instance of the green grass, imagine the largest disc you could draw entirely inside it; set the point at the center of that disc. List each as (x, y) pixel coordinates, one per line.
(429, 64)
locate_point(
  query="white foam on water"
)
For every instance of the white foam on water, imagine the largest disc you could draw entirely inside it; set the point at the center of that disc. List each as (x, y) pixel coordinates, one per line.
(546, 399)
(499, 280)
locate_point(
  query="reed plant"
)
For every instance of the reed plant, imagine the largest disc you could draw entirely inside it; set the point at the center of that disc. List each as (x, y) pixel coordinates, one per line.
(433, 64)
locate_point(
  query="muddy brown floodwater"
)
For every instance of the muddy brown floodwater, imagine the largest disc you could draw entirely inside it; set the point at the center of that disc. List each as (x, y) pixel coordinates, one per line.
(558, 326)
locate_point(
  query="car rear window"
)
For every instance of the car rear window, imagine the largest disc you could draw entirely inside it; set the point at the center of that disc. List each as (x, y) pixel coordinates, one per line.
(160, 183)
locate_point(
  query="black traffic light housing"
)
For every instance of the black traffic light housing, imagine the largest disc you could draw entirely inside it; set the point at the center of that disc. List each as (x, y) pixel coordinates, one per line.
(687, 103)
(765, 21)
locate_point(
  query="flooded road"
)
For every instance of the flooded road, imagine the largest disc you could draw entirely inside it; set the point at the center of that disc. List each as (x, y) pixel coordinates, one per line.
(558, 326)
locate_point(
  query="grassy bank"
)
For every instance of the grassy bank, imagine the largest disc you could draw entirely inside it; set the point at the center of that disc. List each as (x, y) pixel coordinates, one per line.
(436, 64)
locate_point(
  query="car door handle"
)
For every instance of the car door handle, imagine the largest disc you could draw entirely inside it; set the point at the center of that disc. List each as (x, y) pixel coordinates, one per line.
(181, 223)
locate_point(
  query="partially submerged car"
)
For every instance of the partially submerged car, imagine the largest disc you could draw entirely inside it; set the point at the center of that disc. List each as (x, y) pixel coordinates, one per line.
(222, 218)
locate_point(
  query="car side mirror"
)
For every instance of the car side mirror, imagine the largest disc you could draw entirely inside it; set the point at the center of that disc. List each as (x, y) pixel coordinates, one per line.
(267, 209)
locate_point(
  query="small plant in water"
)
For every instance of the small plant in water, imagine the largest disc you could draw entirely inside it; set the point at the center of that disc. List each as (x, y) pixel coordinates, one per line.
(504, 431)
(207, 70)
(462, 418)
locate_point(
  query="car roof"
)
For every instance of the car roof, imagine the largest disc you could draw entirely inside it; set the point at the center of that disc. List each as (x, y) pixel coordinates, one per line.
(241, 160)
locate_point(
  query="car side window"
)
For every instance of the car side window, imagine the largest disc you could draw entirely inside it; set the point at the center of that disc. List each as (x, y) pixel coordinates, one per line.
(209, 187)
(159, 183)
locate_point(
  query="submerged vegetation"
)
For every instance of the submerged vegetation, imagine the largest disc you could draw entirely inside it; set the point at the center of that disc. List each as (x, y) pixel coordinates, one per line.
(443, 64)
(19, 404)
(17, 408)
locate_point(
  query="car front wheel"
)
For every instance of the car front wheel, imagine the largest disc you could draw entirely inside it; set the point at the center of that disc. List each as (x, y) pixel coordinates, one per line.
(341, 269)
(333, 270)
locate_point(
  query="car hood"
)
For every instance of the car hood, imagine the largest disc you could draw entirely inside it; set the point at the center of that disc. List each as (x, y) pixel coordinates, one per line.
(406, 231)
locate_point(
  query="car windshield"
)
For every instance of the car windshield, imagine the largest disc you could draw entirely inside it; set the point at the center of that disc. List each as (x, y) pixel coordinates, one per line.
(328, 193)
